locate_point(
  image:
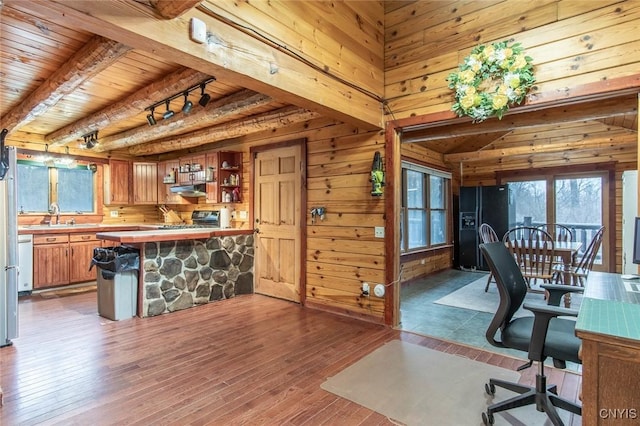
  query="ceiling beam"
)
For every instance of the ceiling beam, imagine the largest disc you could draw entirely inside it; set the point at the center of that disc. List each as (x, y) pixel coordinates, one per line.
(229, 54)
(95, 56)
(170, 9)
(592, 110)
(127, 108)
(216, 112)
(272, 120)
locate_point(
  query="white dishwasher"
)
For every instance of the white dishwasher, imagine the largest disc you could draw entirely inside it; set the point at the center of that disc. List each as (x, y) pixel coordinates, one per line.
(25, 263)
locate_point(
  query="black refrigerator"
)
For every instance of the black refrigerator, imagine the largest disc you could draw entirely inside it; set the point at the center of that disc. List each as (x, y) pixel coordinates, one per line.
(482, 204)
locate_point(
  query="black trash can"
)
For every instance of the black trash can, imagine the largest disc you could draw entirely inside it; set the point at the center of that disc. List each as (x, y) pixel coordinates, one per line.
(117, 281)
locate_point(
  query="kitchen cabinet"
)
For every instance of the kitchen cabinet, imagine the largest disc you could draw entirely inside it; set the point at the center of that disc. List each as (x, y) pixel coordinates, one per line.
(191, 169)
(229, 177)
(50, 260)
(81, 248)
(145, 183)
(117, 182)
(168, 172)
(211, 175)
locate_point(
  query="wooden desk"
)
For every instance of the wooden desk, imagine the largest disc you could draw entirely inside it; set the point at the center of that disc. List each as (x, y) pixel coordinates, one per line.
(609, 325)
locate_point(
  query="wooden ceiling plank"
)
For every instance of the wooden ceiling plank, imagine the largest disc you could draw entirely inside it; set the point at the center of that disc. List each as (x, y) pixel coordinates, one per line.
(128, 107)
(271, 120)
(214, 113)
(563, 114)
(229, 54)
(96, 55)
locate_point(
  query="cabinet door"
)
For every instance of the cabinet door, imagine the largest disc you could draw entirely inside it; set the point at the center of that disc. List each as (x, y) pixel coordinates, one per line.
(117, 182)
(81, 247)
(145, 183)
(50, 265)
(211, 177)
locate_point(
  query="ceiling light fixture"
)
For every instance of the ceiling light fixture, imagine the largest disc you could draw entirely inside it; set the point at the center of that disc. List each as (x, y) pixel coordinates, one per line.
(204, 97)
(90, 139)
(151, 118)
(186, 107)
(168, 113)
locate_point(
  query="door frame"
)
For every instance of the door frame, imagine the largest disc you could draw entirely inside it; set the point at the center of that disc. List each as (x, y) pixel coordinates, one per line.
(302, 143)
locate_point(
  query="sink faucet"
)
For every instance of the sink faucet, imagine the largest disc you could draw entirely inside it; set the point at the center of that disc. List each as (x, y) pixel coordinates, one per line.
(54, 209)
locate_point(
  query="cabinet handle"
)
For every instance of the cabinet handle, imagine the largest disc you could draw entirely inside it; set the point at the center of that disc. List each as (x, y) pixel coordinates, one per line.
(86, 237)
(51, 238)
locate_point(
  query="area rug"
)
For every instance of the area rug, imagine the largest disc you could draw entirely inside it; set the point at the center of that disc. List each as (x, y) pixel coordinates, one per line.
(414, 385)
(472, 296)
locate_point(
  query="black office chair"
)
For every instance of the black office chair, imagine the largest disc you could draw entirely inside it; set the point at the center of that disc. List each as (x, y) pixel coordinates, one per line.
(541, 336)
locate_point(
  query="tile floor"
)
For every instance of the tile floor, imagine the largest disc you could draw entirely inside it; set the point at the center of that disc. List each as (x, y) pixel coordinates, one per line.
(420, 315)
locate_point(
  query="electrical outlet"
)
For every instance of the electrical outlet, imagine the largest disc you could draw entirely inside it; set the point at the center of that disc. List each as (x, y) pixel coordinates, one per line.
(379, 231)
(113, 213)
(244, 214)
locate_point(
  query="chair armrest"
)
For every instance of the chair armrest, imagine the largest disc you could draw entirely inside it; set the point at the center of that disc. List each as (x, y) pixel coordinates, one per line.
(557, 291)
(542, 316)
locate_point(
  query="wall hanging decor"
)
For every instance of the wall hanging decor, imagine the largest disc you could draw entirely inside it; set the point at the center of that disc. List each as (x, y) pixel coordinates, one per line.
(489, 80)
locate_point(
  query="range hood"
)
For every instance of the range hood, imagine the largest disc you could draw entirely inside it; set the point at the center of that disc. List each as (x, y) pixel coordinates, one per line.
(198, 190)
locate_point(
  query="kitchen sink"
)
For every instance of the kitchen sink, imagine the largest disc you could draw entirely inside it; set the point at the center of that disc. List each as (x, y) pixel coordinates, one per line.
(58, 226)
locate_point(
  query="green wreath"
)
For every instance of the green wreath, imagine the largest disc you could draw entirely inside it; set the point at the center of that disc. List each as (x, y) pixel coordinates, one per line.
(491, 79)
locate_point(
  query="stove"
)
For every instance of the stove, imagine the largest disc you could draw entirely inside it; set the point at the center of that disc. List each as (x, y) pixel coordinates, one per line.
(199, 219)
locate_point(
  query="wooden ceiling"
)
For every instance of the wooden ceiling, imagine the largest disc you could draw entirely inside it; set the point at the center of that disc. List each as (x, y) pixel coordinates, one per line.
(60, 83)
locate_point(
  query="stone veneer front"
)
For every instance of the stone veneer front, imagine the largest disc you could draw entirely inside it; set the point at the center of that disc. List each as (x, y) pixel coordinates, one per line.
(182, 274)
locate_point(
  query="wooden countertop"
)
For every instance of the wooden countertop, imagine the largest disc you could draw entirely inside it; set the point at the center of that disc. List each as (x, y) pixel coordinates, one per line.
(155, 235)
(72, 229)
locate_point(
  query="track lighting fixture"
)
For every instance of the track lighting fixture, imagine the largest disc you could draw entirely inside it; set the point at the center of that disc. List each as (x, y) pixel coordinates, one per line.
(90, 139)
(204, 97)
(168, 113)
(186, 107)
(151, 119)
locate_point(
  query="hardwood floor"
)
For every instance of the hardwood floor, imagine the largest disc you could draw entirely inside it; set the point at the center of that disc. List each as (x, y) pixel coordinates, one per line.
(247, 360)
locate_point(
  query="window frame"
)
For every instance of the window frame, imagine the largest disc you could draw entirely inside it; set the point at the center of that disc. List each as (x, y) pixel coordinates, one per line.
(427, 172)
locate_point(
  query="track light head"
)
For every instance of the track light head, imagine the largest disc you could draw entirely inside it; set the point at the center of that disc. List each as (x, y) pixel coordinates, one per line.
(168, 113)
(151, 119)
(91, 139)
(188, 105)
(204, 97)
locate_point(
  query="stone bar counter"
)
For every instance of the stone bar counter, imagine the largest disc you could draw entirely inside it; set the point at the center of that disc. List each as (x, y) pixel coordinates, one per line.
(183, 268)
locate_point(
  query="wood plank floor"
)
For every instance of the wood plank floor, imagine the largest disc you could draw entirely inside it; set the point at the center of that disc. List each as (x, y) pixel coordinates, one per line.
(247, 360)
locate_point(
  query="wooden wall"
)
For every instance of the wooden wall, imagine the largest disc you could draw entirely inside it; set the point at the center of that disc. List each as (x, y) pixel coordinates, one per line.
(575, 45)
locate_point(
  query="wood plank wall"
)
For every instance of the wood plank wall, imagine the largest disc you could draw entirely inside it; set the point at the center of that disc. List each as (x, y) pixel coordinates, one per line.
(572, 43)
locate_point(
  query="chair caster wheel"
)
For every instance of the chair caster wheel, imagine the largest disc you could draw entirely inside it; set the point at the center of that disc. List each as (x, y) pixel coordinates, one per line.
(490, 389)
(487, 419)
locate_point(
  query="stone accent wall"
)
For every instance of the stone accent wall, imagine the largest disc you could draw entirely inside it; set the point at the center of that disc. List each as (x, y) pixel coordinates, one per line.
(182, 274)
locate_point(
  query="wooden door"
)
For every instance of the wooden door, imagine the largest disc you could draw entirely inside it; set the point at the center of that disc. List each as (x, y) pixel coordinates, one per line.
(145, 183)
(81, 246)
(118, 189)
(50, 265)
(277, 203)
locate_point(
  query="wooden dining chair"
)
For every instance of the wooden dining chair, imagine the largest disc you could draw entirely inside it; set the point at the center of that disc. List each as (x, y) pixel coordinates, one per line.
(581, 269)
(534, 251)
(558, 232)
(488, 235)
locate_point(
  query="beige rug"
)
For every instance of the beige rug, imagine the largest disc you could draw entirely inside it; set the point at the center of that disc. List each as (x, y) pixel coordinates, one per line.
(414, 385)
(472, 296)
(72, 291)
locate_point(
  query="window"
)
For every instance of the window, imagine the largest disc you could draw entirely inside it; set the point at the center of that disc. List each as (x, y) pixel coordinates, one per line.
(40, 185)
(423, 220)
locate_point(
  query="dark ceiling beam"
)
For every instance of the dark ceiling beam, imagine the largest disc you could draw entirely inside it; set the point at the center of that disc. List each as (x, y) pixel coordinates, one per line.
(94, 57)
(591, 110)
(216, 112)
(271, 120)
(128, 107)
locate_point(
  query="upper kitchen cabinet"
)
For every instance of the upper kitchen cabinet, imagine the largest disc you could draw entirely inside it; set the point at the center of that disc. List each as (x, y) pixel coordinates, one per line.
(192, 170)
(168, 177)
(117, 182)
(145, 183)
(229, 177)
